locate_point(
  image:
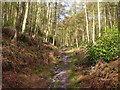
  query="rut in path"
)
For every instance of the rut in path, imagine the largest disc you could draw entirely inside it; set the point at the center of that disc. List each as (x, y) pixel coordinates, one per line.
(60, 79)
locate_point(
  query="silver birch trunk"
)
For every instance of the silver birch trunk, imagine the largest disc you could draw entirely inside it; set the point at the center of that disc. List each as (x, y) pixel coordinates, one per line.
(87, 31)
(93, 32)
(99, 24)
(25, 17)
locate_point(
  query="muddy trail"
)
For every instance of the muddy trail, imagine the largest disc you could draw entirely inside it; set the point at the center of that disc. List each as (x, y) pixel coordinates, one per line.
(60, 79)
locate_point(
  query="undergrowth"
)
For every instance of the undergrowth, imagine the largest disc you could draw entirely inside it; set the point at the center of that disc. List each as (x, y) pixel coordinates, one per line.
(107, 47)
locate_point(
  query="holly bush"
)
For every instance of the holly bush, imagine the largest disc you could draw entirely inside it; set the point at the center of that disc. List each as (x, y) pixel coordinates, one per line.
(107, 46)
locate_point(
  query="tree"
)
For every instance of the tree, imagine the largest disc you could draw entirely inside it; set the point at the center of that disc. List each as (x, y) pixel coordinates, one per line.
(110, 16)
(99, 24)
(25, 17)
(119, 16)
(93, 32)
(19, 20)
(86, 15)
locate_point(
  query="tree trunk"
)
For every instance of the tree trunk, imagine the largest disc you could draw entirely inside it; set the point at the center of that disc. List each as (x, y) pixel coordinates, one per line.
(87, 31)
(19, 21)
(105, 18)
(110, 16)
(83, 36)
(93, 32)
(119, 16)
(36, 21)
(77, 43)
(25, 17)
(99, 24)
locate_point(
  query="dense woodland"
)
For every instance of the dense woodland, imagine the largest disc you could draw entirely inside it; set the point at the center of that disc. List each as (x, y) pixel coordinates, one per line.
(39, 35)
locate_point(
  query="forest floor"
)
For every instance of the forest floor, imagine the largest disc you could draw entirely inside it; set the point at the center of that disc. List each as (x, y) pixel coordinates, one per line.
(84, 75)
(26, 64)
(45, 66)
(74, 71)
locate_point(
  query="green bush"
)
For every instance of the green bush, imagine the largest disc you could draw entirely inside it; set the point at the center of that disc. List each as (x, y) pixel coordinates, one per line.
(107, 46)
(8, 23)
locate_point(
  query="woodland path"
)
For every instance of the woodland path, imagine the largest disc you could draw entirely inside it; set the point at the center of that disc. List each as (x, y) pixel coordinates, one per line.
(60, 79)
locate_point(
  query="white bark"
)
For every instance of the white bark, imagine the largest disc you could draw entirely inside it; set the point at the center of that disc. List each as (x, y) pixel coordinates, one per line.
(93, 32)
(83, 36)
(105, 19)
(25, 18)
(99, 24)
(86, 23)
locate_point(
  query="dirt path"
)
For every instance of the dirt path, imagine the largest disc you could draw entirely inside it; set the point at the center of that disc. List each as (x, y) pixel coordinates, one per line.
(60, 79)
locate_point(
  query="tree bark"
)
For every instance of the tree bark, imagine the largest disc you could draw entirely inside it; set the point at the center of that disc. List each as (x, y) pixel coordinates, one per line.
(19, 21)
(93, 32)
(83, 36)
(25, 17)
(118, 16)
(110, 17)
(105, 18)
(99, 24)
(87, 31)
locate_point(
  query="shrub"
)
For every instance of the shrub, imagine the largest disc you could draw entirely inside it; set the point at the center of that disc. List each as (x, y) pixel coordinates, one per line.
(107, 46)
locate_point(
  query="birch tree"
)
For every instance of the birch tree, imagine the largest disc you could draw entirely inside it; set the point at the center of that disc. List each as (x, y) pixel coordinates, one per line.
(86, 17)
(93, 30)
(99, 24)
(25, 17)
(19, 20)
(119, 16)
(110, 16)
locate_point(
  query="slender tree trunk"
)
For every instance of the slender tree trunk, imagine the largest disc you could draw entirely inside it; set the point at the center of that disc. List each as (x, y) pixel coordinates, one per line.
(93, 32)
(36, 21)
(77, 43)
(55, 23)
(105, 18)
(110, 17)
(99, 24)
(48, 18)
(16, 14)
(87, 31)
(19, 21)
(83, 36)
(76, 38)
(118, 16)
(114, 15)
(46, 36)
(54, 38)
(25, 17)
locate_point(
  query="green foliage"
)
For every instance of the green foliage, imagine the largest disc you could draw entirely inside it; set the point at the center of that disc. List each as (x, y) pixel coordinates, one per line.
(51, 74)
(57, 59)
(8, 23)
(41, 69)
(72, 53)
(107, 46)
(82, 43)
(60, 65)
